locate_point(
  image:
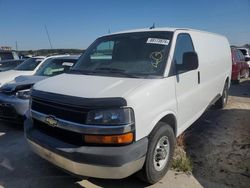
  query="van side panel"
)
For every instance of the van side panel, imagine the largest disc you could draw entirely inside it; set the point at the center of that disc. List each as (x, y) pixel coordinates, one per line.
(151, 102)
(159, 96)
(215, 64)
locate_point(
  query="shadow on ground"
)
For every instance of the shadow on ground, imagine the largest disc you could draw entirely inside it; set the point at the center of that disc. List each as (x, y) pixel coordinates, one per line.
(241, 90)
(219, 147)
(19, 167)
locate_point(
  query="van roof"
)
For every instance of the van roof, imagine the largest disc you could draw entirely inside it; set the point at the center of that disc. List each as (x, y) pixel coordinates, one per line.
(171, 29)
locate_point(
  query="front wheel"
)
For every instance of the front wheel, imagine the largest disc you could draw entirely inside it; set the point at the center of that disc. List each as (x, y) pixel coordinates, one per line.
(159, 155)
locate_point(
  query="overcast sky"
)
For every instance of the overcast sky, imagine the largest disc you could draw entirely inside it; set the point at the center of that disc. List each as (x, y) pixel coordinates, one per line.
(76, 23)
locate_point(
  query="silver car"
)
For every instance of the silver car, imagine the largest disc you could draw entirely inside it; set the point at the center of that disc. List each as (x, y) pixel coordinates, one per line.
(14, 96)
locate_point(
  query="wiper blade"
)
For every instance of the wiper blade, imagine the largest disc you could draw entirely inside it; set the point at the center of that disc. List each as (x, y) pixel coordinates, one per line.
(110, 69)
(103, 70)
(77, 71)
(117, 71)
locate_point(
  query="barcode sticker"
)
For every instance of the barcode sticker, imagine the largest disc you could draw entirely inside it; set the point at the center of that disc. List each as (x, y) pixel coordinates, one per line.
(158, 41)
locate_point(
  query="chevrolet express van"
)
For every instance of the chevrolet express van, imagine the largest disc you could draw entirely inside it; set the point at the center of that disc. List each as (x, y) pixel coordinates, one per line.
(121, 107)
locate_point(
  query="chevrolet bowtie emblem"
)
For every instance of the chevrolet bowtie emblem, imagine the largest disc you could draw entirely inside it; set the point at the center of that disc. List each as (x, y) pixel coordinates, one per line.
(51, 121)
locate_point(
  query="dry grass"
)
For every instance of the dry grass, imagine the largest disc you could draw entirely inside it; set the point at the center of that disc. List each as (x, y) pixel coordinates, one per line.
(180, 141)
(181, 162)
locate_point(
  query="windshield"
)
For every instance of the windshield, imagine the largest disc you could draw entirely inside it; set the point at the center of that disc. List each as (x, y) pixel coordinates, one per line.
(243, 51)
(9, 64)
(52, 67)
(129, 55)
(29, 64)
(6, 56)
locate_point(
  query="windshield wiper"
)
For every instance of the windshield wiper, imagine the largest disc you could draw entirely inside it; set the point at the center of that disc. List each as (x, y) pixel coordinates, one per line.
(78, 71)
(116, 71)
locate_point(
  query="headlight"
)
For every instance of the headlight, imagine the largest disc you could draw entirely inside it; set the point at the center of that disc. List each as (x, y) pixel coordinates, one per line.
(23, 94)
(111, 117)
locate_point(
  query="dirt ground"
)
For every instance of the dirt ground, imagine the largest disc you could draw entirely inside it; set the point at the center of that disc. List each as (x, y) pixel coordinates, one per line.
(219, 142)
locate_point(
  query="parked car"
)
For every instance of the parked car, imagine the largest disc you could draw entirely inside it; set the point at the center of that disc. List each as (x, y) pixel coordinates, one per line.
(240, 68)
(14, 96)
(10, 64)
(246, 53)
(120, 108)
(8, 55)
(28, 67)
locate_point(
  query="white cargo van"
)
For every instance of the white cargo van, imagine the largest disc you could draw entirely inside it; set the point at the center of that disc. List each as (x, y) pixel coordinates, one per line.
(125, 101)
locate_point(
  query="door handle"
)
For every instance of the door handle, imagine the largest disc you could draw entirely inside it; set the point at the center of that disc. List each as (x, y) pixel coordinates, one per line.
(199, 77)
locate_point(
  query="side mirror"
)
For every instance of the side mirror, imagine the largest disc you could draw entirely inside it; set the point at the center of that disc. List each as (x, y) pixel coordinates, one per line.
(189, 62)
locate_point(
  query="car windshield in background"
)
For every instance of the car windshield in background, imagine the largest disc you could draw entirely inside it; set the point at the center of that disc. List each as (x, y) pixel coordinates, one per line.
(128, 55)
(29, 64)
(243, 51)
(6, 56)
(53, 67)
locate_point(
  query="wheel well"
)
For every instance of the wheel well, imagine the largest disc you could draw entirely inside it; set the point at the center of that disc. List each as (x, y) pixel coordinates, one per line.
(170, 120)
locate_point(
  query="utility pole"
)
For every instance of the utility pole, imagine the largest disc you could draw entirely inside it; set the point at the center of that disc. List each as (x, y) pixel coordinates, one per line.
(153, 26)
(16, 46)
(48, 36)
(109, 41)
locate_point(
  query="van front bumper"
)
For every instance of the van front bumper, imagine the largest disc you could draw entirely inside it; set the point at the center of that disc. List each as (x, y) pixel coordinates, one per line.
(91, 161)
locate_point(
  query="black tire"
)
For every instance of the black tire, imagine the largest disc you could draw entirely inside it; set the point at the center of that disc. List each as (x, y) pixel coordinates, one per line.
(238, 79)
(247, 73)
(222, 101)
(149, 173)
(237, 82)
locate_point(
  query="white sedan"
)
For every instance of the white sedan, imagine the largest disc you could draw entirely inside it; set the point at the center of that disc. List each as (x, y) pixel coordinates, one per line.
(28, 67)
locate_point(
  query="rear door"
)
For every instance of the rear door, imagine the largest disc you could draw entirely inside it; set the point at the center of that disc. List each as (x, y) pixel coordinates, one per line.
(187, 84)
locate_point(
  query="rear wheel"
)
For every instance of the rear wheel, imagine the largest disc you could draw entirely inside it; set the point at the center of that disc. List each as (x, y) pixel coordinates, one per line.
(159, 155)
(222, 101)
(247, 73)
(238, 79)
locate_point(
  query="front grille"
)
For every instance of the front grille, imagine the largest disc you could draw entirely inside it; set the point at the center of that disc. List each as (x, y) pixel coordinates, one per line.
(62, 111)
(60, 134)
(7, 111)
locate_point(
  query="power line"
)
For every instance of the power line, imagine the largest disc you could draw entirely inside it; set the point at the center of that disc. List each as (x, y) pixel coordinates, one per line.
(48, 36)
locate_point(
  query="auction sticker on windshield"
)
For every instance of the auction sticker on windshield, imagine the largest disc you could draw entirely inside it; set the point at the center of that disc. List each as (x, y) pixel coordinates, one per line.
(158, 41)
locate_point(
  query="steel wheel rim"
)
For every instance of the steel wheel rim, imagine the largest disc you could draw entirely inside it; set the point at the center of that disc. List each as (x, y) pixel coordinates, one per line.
(161, 153)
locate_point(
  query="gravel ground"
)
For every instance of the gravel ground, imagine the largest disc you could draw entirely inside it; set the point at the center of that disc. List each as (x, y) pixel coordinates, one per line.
(219, 142)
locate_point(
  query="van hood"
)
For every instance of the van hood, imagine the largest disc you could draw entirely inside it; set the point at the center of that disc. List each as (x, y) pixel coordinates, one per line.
(8, 76)
(89, 86)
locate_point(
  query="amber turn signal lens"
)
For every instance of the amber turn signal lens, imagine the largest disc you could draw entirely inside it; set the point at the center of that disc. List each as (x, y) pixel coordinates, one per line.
(111, 139)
